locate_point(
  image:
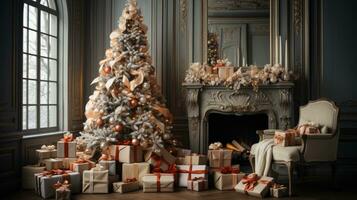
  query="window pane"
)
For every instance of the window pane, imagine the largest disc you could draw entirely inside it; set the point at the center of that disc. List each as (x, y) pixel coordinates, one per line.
(32, 123)
(53, 93)
(44, 69)
(33, 17)
(44, 22)
(52, 4)
(32, 42)
(24, 91)
(53, 47)
(43, 116)
(24, 65)
(32, 92)
(44, 45)
(53, 25)
(25, 15)
(53, 70)
(44, 92)
(24, 117)
(44, 2)
(53, 116)
(24, 41)
(32, 67)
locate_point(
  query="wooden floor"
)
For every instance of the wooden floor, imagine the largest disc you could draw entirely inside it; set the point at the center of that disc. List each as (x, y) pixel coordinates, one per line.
(309, 191)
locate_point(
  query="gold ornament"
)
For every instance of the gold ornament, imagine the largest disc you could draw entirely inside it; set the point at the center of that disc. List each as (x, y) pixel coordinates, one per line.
(135, 142)
(118, 128)
(100, 122)
(133, 103)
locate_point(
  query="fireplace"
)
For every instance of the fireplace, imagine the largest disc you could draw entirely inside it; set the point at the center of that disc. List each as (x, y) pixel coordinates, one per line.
(271, 104)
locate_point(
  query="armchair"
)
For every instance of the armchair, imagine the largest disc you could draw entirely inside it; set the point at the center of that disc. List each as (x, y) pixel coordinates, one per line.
(319, 148)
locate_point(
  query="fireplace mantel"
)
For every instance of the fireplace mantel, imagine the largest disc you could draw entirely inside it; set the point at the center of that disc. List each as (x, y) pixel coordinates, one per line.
(275, 100)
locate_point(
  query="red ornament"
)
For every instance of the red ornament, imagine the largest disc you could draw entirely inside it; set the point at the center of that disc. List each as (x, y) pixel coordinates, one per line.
(107, 69)
(100, 122)
(133, 103)
(118, 128)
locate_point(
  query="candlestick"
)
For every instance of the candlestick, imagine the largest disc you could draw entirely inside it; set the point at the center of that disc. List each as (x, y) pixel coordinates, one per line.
(286, 55)
(280, 51)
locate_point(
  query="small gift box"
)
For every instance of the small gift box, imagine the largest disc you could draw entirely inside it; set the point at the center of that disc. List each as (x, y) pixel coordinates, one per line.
(67, 162)
(28, 181)
(225, 72)
(158, 182)
(197, 184)
(126, 153)
(220, 158)
(278, 191)
(109, 165)
(162, 159)
(188, 172)
(45, 181)
(62, 191)
(135, 170)
(227, 178)
(196, 159)
(95, 180)
(66, 148)
(183, 152)
(53, 163)
(285, 138)
(80, 165)
(254, 186)
(46, 152)
(128, 185)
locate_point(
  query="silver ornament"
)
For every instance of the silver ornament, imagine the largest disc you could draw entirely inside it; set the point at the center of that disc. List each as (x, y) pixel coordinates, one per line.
(146, 86)
(111, 120)
(142, 100)
(166, 136)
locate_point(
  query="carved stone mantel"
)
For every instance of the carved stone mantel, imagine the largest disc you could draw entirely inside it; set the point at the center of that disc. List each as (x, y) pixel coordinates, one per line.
(275, 100)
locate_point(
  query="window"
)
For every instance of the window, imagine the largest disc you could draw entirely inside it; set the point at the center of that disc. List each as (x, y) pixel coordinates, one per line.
(40, 66)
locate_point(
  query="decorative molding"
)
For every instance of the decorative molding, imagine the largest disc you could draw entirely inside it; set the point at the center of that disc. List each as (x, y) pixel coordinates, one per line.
(238, 5)
(297, 15)
(183, 15)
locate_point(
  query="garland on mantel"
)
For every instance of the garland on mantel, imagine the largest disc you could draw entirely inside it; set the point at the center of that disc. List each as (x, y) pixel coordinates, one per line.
(243, 76)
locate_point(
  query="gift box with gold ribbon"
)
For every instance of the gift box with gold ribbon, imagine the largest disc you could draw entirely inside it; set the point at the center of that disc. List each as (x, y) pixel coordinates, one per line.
(162, 159)
(197, 184)
(220, 158)
(66, 147)
(95, 180)
(189, 172)
(127, 185)
(45, 181)
(135, 170)
(158, 182)
(254, 185)
(53, 163)
(126, 153)
(46, 151)
(227, 178)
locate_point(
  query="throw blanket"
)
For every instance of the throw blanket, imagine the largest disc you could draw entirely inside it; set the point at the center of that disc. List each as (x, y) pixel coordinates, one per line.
(263, 157)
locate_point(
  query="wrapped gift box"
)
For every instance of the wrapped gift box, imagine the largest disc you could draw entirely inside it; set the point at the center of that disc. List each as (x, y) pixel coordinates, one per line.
(220, 158)
(126, 186)
(196, 159)
(66, 149)
(197, 184)
(183, 152)
(28, 172)
(108, 165)
(225, 72)
(161, 160)
(227, 181)
(44, 182)
(254, 187)
(188, 172)
(285, 138)
(53, 163)
(63, 193)
(67, 162)
(159, 182)
(279, 191)
(126, 153)
(45, 153)
(135, 170)
(81, 165)
(95, 181)
(180, 161)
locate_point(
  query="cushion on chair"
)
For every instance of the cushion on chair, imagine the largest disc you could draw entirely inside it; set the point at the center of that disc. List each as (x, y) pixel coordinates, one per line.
(291, 153)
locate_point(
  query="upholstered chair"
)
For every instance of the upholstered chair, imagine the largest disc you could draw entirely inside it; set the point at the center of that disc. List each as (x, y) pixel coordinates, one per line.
(317, 148)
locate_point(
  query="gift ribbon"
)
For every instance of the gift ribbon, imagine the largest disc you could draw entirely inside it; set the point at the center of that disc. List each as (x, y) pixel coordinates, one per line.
(118, 149)
(158, 184)
(158, 161)
(66, 139)
(130, 180)
(190, 171)
(229, 170)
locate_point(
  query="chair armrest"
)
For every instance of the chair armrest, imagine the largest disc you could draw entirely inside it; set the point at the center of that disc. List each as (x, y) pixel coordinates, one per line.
(266, 134)
(319, 147)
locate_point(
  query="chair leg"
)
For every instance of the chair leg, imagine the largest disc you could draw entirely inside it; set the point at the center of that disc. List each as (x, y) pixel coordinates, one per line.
(290, 174)
(251, 161)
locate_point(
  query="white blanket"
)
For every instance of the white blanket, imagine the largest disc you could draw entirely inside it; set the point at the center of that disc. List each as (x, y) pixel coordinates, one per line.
(263, 157)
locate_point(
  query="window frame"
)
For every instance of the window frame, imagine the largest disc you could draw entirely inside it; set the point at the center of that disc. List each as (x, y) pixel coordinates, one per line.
(38, 79)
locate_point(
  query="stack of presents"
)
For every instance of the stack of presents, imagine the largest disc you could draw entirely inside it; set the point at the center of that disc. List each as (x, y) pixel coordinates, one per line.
(63, 171)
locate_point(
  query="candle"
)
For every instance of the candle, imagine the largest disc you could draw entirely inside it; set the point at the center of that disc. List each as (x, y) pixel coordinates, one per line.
(238, 60)
(243, 62)
(276, 50)
(280, 51)
(286, 54)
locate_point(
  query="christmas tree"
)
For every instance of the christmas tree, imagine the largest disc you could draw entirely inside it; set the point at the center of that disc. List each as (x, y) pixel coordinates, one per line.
(127, 105)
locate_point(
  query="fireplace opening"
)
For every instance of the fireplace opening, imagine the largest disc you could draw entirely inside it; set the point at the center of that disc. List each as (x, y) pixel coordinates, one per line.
(228, 127)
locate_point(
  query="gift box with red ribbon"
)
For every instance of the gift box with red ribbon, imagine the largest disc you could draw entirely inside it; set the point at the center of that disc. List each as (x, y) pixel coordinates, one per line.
(126, 153)
(160, 160)
(285, 138)
(254, 185)
(127, 185)
(66, 147)
(197, 184)
(53, 163)
(189, 172)
(80, 165)
(158, 182)
(220, 158)
(135, 170)
(227, 178)
(62, 191)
